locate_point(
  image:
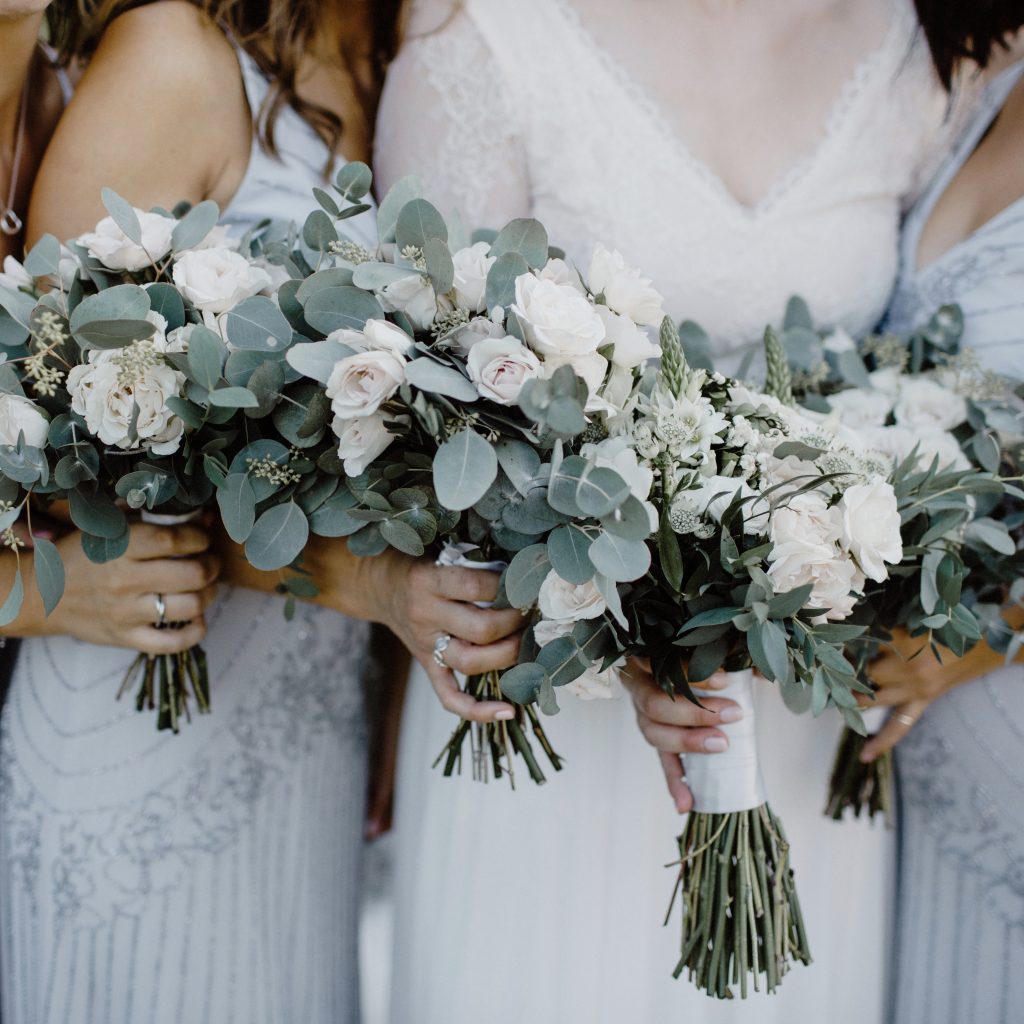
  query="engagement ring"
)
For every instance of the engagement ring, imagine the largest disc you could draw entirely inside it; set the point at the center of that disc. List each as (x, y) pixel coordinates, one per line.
(161, 612)
(440, 646)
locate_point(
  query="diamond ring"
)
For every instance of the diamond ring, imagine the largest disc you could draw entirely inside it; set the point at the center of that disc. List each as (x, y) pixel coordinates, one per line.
(161, 612)
(440, 646)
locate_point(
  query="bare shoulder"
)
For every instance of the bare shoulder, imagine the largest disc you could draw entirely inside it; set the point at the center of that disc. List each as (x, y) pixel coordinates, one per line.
(158, 44)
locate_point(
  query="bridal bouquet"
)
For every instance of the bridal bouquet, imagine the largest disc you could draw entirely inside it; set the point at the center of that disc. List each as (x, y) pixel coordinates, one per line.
(949, 429)
(473, 388)
(143, 370)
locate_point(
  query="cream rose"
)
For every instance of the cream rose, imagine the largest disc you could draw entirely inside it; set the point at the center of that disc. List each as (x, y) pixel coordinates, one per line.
(472, 265)
(795, 562)
(597, 685)
(558, 320)
(569, 601)
(623, 288)
(359, 384)
(19, 415)
(217, 279)
(560, 272)
(871, 527)
(361, 439)
(591, 367)
(499, 367)
(115, 250)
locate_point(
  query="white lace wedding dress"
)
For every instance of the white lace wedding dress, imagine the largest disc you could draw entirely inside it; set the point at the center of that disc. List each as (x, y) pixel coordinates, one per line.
(545, 905)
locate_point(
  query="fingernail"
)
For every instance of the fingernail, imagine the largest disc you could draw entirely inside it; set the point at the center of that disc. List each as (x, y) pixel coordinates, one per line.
(733, 713)
(866, 757)
(716, 745)
(504, 716)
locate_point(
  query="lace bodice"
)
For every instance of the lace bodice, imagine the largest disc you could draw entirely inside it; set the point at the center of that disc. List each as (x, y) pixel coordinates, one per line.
(515, 109)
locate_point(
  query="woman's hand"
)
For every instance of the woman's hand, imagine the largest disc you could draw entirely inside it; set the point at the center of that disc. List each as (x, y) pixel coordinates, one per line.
(677, 726)
(909, 677)
(115, 603)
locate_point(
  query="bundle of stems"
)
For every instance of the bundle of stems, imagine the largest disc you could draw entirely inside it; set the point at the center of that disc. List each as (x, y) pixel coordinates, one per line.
(741, 913)
(494, 745)
(855, 786)
(166, 683)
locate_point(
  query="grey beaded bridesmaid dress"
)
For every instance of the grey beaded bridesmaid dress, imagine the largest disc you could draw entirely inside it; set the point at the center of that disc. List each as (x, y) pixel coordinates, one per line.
(959, 939)
(209, 877)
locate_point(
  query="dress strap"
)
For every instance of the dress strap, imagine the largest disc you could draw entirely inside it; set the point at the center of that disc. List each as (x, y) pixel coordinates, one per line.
(67, 90)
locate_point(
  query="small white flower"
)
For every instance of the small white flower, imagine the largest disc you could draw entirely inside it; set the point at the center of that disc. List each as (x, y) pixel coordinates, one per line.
(361, 439)
(472, 265)
(359, 384)
(623, 288)
(499, 367)
(217, 279)
(19, 415)
(559, 322)
(569, 601)
(115, 250)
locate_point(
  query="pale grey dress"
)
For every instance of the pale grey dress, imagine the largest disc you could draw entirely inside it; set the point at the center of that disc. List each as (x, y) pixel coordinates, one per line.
(959, 953)
(209, 877)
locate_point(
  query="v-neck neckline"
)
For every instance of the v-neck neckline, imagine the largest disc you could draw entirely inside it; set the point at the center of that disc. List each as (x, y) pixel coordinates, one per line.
(839, 112)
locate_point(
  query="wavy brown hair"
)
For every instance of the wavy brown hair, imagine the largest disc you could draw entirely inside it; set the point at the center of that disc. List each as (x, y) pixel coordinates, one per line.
(275, 33)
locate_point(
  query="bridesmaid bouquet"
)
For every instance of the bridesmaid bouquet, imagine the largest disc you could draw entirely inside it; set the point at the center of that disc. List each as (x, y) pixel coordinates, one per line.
(140, 364)
(950, 430)
(473, 388)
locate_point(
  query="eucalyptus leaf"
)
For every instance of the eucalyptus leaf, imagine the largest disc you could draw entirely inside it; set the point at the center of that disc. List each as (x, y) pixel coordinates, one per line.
(43, 259)
(258, 324)
(435, 378)
(205, 357)
(419, 221)
(278, 537)
(96, 514)
(501, 280)
(561, 660)
(101, 549)
(619, 559)
(234, 398)
(113, 333)
(353, 181)
(402, 536)
(522, 683)
(237, 502)
(123, 214)
(49, 572)
(164, 299)
(400, 194)
(464, 468)
(521, 463)
(525, 237)
(600, 491)
(11, 607)
(341, 308)
(195, 225)
(525, 574)
(316, 360)
(440, 267)
(568, 549)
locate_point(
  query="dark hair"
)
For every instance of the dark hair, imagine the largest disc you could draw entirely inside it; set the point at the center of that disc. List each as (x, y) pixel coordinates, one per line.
(967, 30)
(275, 33)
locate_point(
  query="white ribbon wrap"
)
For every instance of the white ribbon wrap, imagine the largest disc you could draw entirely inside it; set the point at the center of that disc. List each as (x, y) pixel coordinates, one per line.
(455, 554)
(730, 781)
(875, 718)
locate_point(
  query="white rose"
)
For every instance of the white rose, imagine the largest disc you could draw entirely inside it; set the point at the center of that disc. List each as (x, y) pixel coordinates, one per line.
(558, 320)
(109, 388)
(14, 275)
(943, 445)
(597, 685)
(376, 336)
(860, 407)
(717, 493)
(216, 280)
(479, 328)
(924, 404)
(796, 562)
(624, 290)
(359, 384)
(499, 367)
(115, 250)
(569, 601)
(547, 630)
(19, 415)
(361, 439)
(414, 296)
(560, 272)
(886, 380)
(632, 345)
(839, 341)
(807, 517)
(590, 366)
(471, 268)
(276, 274)
(871, 527)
